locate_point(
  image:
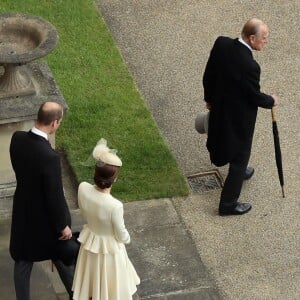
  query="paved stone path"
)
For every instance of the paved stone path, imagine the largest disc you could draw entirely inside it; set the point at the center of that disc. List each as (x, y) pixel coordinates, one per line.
(166, 45)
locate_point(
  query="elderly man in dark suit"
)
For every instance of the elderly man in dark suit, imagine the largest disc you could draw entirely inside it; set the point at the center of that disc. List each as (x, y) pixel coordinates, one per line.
(232, 94)
(40, 216)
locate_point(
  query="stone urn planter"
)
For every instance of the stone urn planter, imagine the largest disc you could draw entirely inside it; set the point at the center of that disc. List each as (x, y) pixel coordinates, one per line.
(23, 38)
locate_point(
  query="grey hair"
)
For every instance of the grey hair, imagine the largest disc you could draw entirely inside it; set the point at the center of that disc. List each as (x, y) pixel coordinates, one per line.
(252, 27)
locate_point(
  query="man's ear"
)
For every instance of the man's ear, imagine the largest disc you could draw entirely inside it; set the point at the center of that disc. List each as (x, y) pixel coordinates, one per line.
(53, 123)
(252, 39)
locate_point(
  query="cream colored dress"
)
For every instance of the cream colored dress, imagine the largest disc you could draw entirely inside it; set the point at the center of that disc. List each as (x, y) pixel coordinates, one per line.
(103, 269)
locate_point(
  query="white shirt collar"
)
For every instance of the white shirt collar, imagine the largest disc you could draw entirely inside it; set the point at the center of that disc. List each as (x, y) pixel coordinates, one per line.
(244, 43)
(39, 132)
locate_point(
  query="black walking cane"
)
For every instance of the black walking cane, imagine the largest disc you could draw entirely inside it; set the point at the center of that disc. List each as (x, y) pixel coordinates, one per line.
(277, 151)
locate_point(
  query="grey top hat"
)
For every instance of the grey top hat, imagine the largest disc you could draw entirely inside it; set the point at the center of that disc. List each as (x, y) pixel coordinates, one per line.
(201, 122)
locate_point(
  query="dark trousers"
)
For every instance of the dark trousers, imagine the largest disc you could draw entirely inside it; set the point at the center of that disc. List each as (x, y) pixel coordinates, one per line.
(22, 272)
(234, 180)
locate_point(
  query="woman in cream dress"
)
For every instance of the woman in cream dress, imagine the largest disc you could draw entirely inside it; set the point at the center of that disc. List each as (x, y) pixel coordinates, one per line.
(103, 269)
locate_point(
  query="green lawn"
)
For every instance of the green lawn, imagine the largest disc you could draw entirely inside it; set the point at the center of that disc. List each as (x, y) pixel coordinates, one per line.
(103, 102)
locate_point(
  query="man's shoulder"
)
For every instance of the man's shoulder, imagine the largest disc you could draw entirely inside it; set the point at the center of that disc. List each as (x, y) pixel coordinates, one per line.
(20, 134)
(223, 42)
(19, 139)
(224, 39)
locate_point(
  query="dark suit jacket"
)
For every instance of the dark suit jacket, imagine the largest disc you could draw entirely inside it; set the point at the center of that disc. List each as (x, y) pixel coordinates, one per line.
(40, 210)
(231, 85)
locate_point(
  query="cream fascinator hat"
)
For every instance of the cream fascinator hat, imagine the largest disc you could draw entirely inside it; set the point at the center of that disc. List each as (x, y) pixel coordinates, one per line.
(102, 154)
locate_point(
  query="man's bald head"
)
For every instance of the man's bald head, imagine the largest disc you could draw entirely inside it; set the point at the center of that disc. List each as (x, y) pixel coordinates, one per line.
(49, 112)
(255, 33)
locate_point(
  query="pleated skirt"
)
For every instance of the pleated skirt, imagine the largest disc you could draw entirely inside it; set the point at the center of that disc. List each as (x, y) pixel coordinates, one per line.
(109, 276)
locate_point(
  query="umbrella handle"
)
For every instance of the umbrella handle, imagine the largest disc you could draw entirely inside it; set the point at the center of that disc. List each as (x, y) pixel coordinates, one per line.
(273, 113)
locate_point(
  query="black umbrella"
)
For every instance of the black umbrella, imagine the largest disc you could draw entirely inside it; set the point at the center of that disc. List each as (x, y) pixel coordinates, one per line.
(277, 152)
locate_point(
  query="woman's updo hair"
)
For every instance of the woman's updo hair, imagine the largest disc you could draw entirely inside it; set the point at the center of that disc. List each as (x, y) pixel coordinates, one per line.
(105, 175)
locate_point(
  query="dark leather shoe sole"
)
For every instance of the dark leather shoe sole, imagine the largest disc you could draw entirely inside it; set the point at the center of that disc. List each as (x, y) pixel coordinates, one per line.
(240, 209)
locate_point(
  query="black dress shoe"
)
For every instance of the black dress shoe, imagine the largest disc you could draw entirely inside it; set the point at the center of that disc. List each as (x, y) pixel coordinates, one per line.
(249, 173)
(239, 209)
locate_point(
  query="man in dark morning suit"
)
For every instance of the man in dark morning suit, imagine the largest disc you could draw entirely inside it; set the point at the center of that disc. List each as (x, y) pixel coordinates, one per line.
(40, 216)
(232, 94)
